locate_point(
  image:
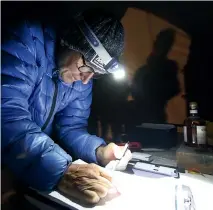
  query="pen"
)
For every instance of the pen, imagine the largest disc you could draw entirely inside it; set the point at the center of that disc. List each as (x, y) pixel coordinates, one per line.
(126, 146)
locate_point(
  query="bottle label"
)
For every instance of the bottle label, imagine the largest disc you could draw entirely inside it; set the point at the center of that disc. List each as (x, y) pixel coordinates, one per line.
(185, 133)
(193, 111)
(201, 134)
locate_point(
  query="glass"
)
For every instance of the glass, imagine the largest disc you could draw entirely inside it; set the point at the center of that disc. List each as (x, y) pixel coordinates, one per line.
(184, 199)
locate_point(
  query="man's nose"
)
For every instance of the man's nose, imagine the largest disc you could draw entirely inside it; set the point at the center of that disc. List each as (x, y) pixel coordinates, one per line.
(86, 77)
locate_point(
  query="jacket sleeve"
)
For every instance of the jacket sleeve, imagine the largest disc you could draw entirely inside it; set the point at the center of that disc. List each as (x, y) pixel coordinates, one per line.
(26, 150)
(71, 125)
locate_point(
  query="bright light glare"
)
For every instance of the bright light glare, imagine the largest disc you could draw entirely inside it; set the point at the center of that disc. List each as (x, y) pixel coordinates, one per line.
(120, 74)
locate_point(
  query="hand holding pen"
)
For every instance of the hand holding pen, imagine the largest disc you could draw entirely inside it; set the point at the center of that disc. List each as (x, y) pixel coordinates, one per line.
(118, 161)
(120, 156)
(112, 153)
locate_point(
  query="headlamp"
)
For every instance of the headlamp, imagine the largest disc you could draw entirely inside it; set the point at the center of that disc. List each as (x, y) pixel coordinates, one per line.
(102, 62)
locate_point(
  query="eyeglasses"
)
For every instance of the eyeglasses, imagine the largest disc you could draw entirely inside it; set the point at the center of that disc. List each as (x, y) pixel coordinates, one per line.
(87, 69)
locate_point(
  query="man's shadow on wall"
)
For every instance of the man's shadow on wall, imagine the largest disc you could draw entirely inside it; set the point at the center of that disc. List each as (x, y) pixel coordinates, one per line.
(156, 82)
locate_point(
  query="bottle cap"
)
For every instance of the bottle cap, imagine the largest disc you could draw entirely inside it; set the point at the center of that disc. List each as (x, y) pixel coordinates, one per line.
(193, 105)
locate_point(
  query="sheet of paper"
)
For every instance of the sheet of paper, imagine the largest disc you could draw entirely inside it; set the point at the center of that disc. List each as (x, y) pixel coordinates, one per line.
(147, 193)
(164, 161)
(135, 192)
(141, 156)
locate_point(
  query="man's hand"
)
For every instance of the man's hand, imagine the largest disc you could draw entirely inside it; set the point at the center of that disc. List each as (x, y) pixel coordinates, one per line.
(105, 154)
(88, 183)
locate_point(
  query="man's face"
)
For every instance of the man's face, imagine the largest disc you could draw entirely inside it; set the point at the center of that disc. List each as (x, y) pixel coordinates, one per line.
(70, 71)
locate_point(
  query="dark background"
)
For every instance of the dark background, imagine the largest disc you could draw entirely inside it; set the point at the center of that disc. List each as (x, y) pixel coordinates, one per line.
(195, 18)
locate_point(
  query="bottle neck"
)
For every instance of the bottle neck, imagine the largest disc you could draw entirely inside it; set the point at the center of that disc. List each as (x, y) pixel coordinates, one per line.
(193, 112)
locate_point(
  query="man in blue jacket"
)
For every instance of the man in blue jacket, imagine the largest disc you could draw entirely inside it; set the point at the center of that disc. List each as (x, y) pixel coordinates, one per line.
(46, 92)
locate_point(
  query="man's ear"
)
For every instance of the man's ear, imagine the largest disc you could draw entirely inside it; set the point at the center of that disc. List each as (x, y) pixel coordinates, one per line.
(87, 78)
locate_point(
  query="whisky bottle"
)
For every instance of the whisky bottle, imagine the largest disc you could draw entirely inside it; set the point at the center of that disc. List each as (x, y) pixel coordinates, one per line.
(194, 128)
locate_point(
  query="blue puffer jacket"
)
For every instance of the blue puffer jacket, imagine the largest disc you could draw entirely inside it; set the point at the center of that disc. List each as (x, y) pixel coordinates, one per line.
(32, 99)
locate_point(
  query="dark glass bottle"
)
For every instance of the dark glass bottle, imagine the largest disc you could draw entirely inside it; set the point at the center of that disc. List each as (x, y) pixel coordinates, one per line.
(195, 128)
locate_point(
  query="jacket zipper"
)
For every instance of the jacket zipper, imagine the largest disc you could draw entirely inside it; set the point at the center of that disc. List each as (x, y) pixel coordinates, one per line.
(52, 106)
